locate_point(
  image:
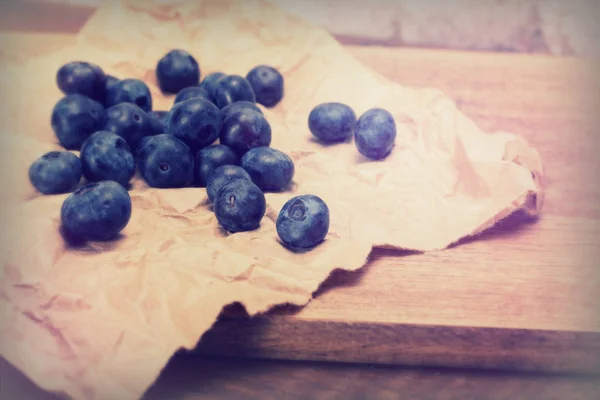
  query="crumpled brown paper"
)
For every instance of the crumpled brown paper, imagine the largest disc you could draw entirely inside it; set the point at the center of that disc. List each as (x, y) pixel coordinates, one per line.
(99, 322)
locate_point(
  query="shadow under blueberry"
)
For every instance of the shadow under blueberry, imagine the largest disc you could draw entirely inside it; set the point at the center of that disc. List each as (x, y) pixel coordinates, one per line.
(297, 250)
(77, 243)
(314, 140)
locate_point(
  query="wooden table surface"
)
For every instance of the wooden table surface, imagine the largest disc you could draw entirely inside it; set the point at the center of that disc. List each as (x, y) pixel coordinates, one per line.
(522, 296)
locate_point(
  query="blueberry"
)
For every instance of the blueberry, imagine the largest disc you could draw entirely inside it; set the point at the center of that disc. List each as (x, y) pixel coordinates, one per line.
(157, 121)
(177, 70)
(210, 158)
(240, 206)
(303, 222)
(106, 156)
(130, 91)
(375, 133)
(166, 162)
(83, 78)
(96, 211)
(223, 175)
(332, 122)
(128, 121)
(170, 115)
(74, 118)
(210, 82)
(55, 172)
(196, 121)
(238, 106)
(191, 92)
(111, 81)
(267, 84)
(233, 88)
(271, 169)
(139, 148)
(244, 130)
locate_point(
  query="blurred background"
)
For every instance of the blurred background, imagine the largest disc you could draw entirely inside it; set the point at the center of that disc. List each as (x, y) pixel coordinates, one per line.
(556, 27)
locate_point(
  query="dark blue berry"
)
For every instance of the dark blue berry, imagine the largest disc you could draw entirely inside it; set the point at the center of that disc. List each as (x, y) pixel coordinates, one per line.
(111, 81)
(244, 130)
(271, 169)
(74, 118)
(170, 115)
(375, 133)
(166, 162)
(83, 78)
(233, 88)
(267, 84)
(158, 121)
(210, 82)
(303, 222)
(177, 70)
(223, 175)
(332, 122)
(130, 91)
(197, 122)
(210, 158)
(191, 92)
(240, 206)
(55, 172)
(130, 122)
(106, 156)
(97, 211)
(239, 106)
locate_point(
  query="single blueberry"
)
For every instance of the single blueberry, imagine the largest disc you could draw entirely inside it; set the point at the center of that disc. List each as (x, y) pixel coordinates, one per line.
(130, 91)
(106, 156)
(332, 122)
(303, 222)
(238, 106)
(111, 81)
(191, 92)
(196, 121)
(210, 82)
(210, 158)
(233, 88)
(74, 118)
(375, 133)
(157, 121)
(170, 115)
(271, 169)
(267, 84)
(166, 162)
(244, 130)
(240, 206)
(177, 70)
(128, 121)
(141, 145)
(55, 172)
(223, 175)
(97, 211)
(83, 78)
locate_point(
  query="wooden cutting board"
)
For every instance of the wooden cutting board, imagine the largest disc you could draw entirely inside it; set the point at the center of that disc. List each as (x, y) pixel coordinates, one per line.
(524, 295)
(521, 296)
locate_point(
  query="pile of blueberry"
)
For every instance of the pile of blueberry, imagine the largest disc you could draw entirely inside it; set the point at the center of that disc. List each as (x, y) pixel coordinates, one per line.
(112, 123)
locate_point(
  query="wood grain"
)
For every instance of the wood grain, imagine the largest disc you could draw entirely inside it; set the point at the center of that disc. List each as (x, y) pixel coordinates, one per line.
(523, 295)
(536, 284)
(192, 377)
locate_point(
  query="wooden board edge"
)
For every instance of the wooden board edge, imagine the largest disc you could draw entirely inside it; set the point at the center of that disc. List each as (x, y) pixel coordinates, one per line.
(404, 344)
